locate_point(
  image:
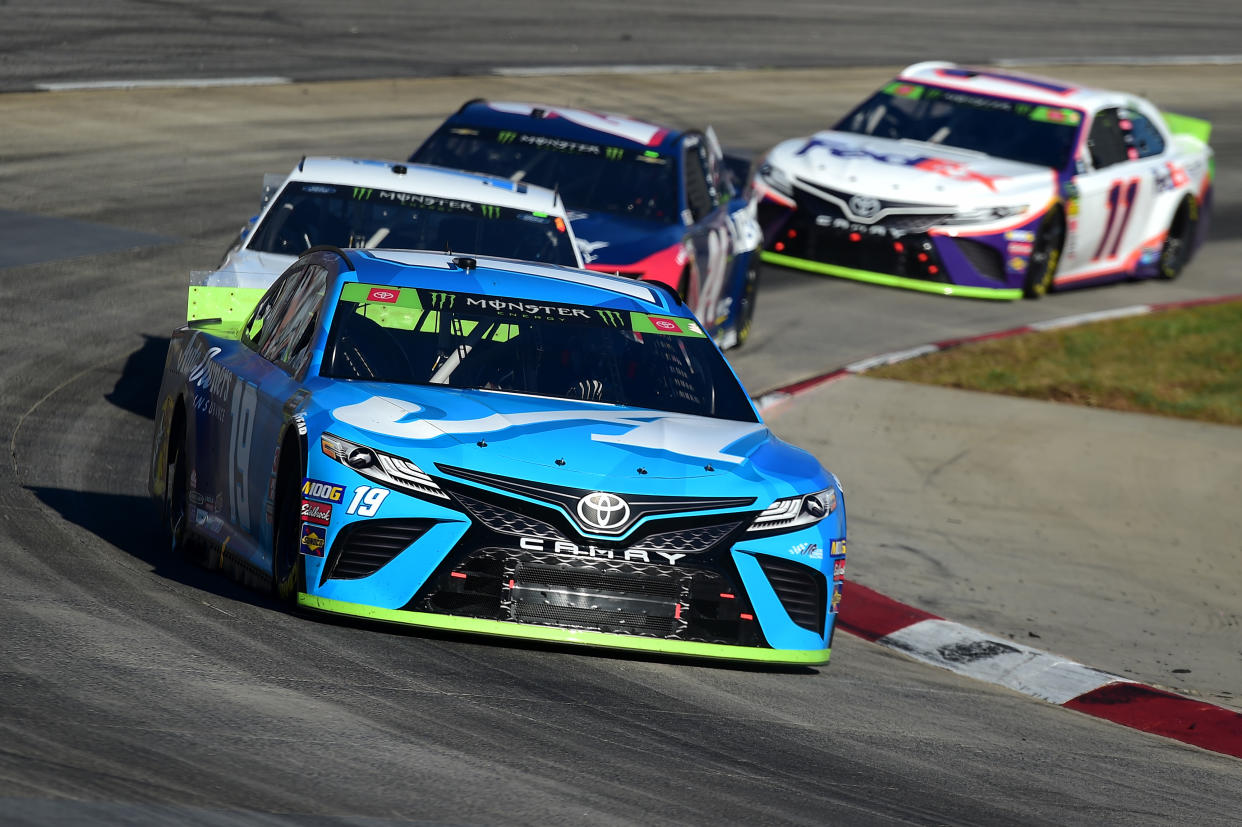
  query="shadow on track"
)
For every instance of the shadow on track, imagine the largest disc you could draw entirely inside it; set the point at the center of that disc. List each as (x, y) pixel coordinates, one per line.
(139, 385)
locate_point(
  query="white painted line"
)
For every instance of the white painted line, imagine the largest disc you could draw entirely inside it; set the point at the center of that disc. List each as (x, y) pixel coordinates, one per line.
(974, 654)
(1126, 60)
(165, 83)
(1097, 316)
(545, 71)
(891, 358)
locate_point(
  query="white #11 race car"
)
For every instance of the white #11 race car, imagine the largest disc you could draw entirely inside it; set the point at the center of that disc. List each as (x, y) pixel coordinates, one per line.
(989, 184)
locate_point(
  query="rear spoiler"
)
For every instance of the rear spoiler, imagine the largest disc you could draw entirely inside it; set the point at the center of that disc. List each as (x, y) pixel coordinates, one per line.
(222, 309)
(1185, 125)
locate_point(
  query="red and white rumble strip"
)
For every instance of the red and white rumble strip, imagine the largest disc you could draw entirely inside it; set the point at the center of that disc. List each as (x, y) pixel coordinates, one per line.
(975, 654)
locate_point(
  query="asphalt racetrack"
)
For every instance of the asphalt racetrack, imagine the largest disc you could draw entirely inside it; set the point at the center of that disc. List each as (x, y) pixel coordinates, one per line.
(136, 689)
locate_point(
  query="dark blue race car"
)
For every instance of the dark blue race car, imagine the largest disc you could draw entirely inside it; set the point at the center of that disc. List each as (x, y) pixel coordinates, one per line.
(645, 201)
(496, 447)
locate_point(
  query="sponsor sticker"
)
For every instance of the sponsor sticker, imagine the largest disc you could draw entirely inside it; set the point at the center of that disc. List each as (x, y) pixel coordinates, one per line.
(383, 294)
(811, 551)
(1020, 248)
(316, 512)
(1020, 235)
(1018, 265)
(666, 325)
(312, 540)
(323, 491)
(836, 597)
(838, 569)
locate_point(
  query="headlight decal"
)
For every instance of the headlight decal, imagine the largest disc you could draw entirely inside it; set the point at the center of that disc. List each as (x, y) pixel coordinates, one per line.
(796, 512)
(379, 466)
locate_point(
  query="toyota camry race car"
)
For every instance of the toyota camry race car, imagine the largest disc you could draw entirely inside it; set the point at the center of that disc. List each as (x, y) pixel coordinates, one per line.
(989, 184)
(349, 202)
(501, 448)
(646, 201)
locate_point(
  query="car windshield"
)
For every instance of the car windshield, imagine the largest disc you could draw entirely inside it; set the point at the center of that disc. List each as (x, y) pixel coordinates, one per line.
(463, 340)
(308, 214)
(1004, 128)
(639, 184)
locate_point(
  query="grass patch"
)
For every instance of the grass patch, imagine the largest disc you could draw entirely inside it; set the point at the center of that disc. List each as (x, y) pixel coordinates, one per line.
(1185, 363)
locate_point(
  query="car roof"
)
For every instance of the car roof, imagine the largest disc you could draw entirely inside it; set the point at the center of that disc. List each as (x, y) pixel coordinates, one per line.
(605, 128)
(423, 179)
(1006, 83)
(492, 276)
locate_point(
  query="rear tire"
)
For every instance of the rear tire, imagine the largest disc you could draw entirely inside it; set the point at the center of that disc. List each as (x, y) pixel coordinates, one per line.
(175, 514)
(1177, 244)
(1041, 268)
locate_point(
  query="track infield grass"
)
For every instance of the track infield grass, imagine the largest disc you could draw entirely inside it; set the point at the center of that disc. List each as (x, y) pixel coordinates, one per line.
(1184, 362)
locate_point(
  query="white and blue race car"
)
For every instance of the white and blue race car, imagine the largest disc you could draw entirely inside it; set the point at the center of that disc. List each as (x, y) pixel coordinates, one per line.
(989, 184)
(496, 447)
(368, 204)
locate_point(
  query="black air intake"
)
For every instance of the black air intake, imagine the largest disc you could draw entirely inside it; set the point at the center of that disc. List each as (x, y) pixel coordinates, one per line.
(802, 590)
(363, 548)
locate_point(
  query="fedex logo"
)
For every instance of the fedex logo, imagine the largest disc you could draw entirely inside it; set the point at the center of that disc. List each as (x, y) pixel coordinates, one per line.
(937, 166)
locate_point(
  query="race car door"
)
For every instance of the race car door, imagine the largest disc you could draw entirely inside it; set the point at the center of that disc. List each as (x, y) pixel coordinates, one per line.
(270, 392)
(1115, 195)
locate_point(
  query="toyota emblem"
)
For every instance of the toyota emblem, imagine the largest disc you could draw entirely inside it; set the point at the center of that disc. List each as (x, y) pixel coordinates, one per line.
(603, 511)
(864, 206)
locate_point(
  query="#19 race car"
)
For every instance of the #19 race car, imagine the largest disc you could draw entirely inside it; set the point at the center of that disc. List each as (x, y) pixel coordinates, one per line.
(989, 184)
(349, 202)
(501, 448)
(646, 201)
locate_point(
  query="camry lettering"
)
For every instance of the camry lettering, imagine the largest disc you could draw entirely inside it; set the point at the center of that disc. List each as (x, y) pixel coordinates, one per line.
(629, 555)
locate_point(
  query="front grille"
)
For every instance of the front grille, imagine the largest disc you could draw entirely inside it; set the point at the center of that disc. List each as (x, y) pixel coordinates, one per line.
(595, 581)
(505, 521)
(801, 589)
(691, 540)
(363, 548)
(561, 500)
(605, 602)
(700, 599)
(632, 622)
(897, 245)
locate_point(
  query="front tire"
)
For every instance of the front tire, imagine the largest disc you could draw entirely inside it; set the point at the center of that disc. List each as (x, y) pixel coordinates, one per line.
(288, 567)
(1041, 269)
(1177, 244)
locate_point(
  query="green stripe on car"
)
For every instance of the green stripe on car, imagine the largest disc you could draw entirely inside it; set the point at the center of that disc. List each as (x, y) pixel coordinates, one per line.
(1001, 293)
(580, 637)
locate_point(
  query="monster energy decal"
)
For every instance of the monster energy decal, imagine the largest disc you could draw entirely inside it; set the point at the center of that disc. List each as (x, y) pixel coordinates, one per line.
(437, 300)
(613, 318)
(489, 210)
(390, 302)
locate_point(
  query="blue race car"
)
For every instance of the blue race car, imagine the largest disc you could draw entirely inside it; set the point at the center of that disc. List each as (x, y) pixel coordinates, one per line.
(497, 447)
(645, 201)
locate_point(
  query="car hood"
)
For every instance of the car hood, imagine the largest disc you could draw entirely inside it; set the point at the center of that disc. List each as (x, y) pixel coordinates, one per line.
(605, 239)
(566, 442)
(908, 171)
